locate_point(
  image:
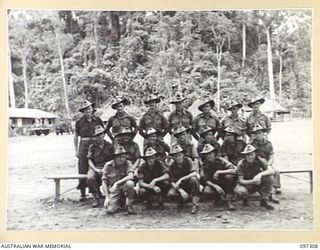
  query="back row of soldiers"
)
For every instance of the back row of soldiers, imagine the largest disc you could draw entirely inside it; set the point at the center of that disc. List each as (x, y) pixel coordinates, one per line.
(182, 170)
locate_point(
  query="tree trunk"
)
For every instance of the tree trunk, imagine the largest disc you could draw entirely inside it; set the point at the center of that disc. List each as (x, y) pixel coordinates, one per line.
(26, 88)
(12, 97)
(115, 27)
(219, 55)
(96, 39)
(244, 53)
(63, 78)
(280, 78)
(270, 66)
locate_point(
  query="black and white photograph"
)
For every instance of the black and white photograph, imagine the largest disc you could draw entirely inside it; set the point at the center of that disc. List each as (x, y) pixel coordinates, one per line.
(160, 120)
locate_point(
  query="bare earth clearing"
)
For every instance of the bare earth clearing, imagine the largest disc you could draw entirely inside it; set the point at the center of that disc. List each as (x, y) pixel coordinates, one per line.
(29, 205)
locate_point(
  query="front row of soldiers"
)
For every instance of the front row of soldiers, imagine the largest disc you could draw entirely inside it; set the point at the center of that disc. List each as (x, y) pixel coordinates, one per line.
(182, 176)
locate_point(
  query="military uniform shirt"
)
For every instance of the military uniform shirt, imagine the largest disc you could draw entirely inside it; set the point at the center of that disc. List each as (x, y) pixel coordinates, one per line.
(258, 119)
(154, 120)
(201, 121)
(113, 173)
(233, 150)
(238, 123)
(265, 148)
(189, 148)
(85, 128)
(177, 119)
(209, 169)
(99, 155)
(148, 173)
(133, 151)
(177, 171)
(117, 122)
(250, 170)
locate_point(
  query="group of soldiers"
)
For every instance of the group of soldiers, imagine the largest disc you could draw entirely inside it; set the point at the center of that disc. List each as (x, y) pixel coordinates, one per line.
(225, 159)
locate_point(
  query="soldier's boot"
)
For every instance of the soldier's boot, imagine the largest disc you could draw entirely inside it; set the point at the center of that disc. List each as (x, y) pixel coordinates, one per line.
(195, 206)
(149, 203)
(83, 195)
(245, 202)
(265, 204)
(230, 207)
(96, 201)
(160, 203)
(273, 199)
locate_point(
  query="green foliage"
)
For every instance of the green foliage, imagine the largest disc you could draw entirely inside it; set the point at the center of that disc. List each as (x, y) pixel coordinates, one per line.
(106, 54)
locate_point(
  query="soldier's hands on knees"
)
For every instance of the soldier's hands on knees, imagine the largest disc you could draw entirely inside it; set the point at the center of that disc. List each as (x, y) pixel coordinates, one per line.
(156, 189)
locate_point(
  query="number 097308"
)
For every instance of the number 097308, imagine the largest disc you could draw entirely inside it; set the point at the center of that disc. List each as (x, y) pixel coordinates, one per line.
(308, 245)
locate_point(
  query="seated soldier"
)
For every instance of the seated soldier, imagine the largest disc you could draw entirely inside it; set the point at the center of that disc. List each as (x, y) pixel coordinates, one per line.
(190, 150)
(219, 175)
(207, 137)
(183, 178)
(265, 151)
(152, 175)
(118, 182)
(232, 146)
(162, 148)
(254, 175)
(125, 139)
(99, 153)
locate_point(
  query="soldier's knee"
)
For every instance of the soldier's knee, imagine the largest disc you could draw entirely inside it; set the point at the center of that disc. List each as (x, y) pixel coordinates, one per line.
(194, 180)
(241, 191)
(130, 184)
(142, 191)
(208, 191)
(172, 193)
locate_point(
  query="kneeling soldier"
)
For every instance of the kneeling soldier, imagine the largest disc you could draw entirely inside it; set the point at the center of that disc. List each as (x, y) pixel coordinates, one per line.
(99, 153)
(152, 175)
(118, 182)
(219, 175)
(183, 178)
(254, 175)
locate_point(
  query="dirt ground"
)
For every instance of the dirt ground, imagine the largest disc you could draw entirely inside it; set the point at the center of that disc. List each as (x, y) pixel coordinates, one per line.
(30, 195)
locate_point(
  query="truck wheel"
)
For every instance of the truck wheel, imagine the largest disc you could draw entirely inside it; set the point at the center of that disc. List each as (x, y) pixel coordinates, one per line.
(38, 133)
(46, 132)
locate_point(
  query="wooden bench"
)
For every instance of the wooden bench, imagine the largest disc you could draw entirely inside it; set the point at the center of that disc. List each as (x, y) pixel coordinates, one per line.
(58, 178)
(301, 171)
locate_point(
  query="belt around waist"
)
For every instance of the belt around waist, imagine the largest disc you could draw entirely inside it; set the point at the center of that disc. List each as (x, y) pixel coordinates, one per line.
(88, 138)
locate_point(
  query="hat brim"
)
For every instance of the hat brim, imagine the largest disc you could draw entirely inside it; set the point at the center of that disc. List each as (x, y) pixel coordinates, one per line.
(123, 134)
(182, 151)
(213, 150)
(156, 100)
(204, 132)
(177, 101)
(239, 105)
(123, 153)
(125, 101)
(211, 102)
(177, 134)
(101, 132)
(147, 156)
(93, 105)
(248, 152)
(262, 100)
(254, 132)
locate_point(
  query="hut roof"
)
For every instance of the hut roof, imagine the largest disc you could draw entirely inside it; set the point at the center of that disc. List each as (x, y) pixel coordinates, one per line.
(29, 113)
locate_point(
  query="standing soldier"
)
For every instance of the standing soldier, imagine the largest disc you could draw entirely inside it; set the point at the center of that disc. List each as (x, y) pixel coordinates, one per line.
(117, 181)
(180, 116)
(85, 129)
(219, 175)
(99, 153)
(160, 146)
(257, 118)
(232, 146)
(206, 118)
(183, 178)
(254, 175)
(234, 120)
(153, 176)
(153, 118)
(120, 119)
(265, 151)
